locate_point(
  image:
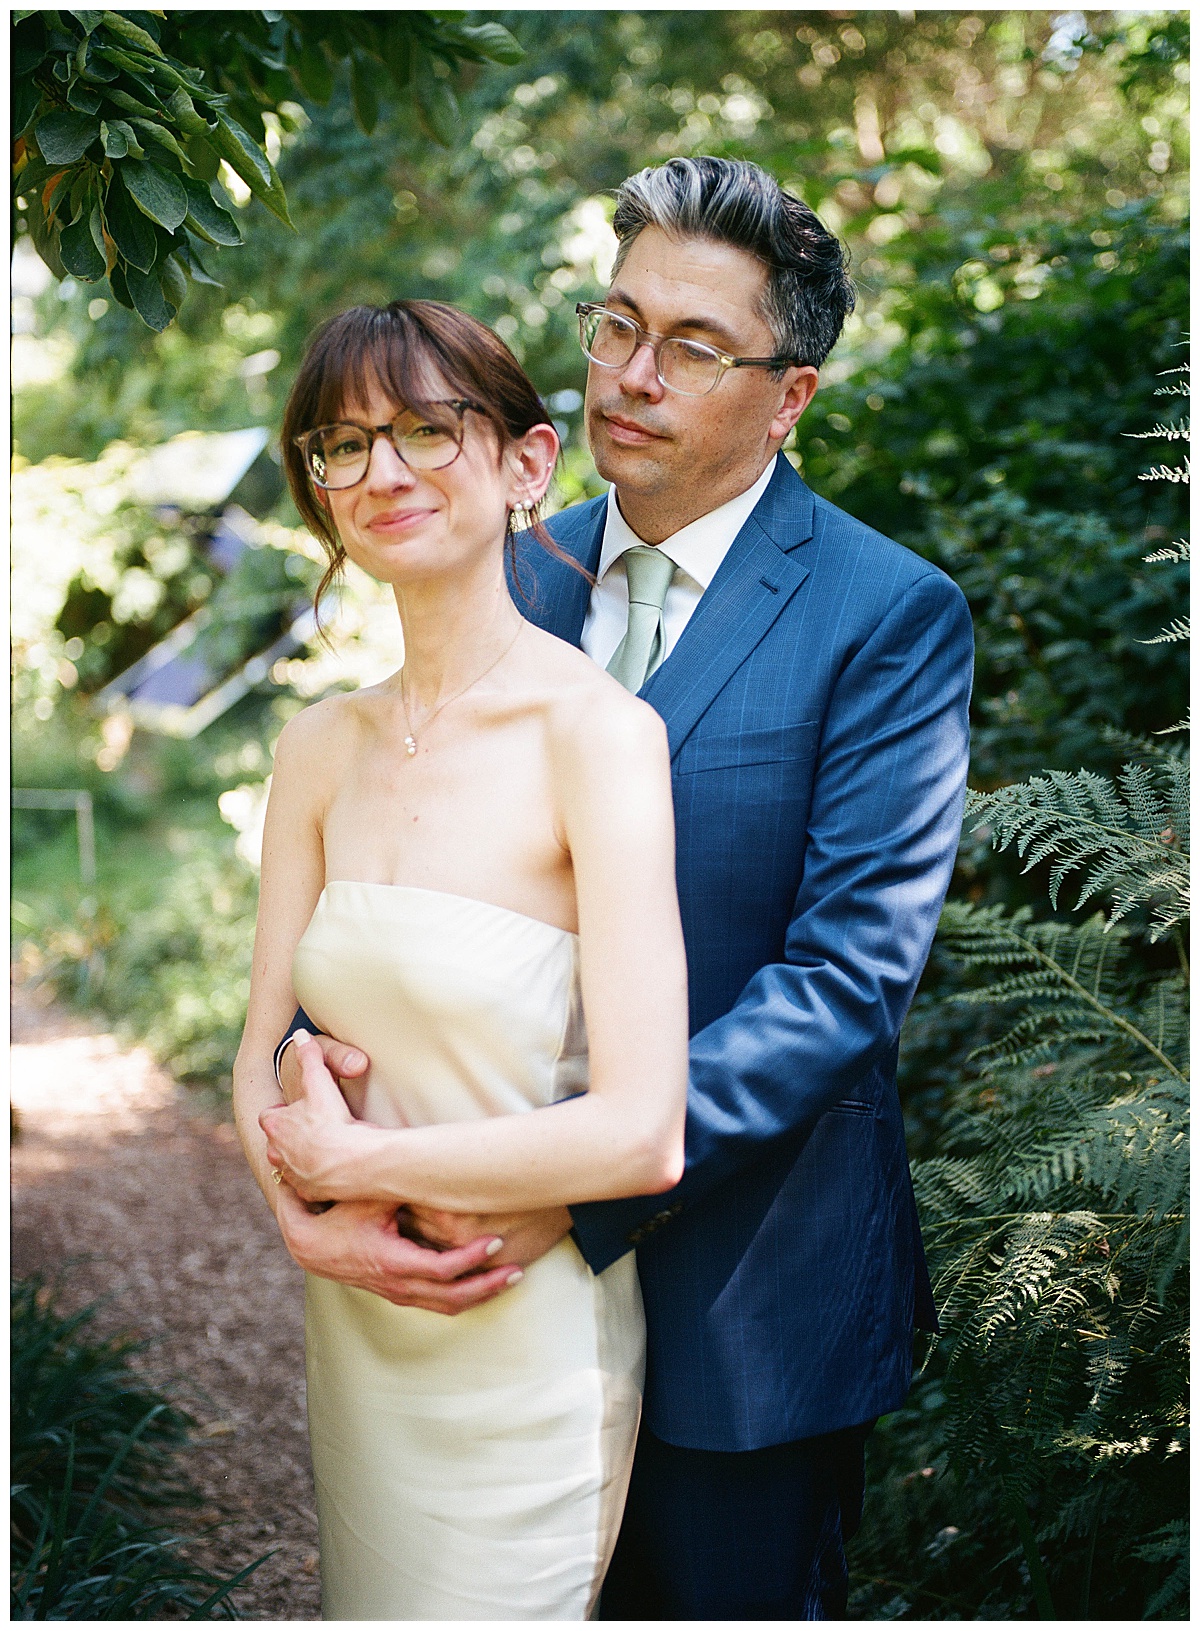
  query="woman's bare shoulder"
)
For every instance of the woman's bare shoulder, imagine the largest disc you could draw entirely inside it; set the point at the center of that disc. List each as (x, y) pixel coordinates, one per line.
(315, 742)
(593, 721)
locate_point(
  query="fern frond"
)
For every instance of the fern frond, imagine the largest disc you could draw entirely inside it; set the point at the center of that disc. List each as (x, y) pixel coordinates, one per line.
(1180, 432)
(1180, 550)
(1180, 628)
(1126, 839)
(1175, 473)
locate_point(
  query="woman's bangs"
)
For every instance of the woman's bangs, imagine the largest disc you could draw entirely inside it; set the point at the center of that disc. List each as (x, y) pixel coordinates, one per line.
(393, 354)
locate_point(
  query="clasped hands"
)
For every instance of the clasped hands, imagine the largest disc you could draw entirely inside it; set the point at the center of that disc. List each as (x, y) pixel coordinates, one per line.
(445, 1262)
(314, 1142)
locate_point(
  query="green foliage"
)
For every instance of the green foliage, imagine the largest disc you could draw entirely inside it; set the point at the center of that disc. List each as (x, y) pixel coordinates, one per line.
(174, 971)
(1130, 839)
(1055, 1213)
(120, 138)
(94, 1456)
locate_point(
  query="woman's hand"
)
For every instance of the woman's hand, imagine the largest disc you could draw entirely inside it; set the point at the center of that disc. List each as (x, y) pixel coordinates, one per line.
(315, 1145)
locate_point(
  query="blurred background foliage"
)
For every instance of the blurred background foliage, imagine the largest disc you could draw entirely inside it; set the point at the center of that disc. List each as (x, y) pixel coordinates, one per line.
(1013, 188)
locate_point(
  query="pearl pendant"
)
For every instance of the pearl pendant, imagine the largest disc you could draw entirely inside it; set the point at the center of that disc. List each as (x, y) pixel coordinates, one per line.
(410, 745)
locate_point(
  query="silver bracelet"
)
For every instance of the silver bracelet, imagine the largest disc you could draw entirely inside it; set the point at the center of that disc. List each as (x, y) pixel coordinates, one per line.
(279, 1053)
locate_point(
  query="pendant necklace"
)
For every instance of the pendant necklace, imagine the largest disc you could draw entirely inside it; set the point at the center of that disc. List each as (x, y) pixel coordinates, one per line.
(410, 741)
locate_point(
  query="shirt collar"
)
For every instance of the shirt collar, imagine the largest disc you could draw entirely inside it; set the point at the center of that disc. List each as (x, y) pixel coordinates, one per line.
(700, 547)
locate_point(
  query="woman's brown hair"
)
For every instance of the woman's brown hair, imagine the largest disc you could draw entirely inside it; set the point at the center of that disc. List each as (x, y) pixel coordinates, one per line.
(400, 346)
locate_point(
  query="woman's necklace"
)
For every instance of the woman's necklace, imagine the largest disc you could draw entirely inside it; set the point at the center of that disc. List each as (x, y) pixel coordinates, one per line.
(410, 741)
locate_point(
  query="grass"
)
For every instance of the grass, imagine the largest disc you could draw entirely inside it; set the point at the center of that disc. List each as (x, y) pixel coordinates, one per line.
(95, 1469)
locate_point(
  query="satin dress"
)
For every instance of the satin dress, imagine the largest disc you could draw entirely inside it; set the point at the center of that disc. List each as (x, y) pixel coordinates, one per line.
(470, 1467)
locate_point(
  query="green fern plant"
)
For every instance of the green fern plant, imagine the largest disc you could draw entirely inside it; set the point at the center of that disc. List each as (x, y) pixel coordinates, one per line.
(1056, 1213)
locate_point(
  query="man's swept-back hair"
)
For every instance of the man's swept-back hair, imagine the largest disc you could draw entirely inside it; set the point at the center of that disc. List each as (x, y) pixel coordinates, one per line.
(808, 294)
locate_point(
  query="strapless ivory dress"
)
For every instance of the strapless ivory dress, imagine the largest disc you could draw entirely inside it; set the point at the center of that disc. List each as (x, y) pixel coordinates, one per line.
(474, 1467)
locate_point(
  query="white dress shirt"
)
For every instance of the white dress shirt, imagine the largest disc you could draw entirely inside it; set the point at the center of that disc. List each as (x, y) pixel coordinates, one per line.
(697, 550)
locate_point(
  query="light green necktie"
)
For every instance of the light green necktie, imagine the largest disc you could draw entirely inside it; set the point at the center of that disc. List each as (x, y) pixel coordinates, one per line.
(649, 573)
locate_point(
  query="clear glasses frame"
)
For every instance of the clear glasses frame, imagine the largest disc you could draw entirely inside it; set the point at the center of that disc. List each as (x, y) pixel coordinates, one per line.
(407, 447)
(696, 352)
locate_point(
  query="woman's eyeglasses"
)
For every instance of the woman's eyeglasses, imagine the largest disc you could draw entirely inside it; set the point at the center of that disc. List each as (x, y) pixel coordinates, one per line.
(428, 438)
(686, 366)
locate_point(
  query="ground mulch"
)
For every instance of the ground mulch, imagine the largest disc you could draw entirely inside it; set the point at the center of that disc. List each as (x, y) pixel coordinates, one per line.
(135, 1191)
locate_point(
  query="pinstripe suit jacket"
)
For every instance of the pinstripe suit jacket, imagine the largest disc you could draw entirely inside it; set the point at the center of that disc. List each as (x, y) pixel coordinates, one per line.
(816, 706)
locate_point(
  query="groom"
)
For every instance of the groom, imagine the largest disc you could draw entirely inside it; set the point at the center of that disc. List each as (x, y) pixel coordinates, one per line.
(814, 680)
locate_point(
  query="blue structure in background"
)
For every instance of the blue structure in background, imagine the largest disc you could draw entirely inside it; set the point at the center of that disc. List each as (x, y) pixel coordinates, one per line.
(177, 687)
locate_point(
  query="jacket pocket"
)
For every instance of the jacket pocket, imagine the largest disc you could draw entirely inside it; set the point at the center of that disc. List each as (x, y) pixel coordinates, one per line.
(774, 744)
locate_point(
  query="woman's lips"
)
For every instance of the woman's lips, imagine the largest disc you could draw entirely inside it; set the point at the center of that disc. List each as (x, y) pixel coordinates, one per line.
(398, 520)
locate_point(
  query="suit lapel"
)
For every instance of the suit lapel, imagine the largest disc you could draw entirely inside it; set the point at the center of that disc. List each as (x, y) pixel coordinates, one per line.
(754, 583)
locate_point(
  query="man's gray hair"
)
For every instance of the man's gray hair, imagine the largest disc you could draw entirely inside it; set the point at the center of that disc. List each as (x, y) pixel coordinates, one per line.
(808, 294)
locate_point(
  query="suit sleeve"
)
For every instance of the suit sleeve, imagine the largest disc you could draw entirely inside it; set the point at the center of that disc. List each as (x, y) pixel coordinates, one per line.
(882, 834)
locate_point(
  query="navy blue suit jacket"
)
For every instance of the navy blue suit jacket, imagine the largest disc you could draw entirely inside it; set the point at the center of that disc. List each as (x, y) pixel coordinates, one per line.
(816, 706)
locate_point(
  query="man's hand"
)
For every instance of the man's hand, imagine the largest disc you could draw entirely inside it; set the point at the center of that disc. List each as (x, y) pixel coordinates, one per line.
(358, 1244)
(341, 1060)
(526, 1235)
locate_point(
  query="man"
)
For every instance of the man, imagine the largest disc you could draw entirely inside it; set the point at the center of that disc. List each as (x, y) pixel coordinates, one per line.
(814, 680)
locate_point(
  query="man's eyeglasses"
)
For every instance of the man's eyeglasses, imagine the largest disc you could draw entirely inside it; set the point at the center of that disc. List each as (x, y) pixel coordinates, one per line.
(687, 366)
(428, 438)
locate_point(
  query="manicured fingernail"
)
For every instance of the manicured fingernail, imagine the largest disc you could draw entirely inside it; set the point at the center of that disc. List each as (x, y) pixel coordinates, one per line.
(301, 1036)
(517, 1274)
(493, 1246)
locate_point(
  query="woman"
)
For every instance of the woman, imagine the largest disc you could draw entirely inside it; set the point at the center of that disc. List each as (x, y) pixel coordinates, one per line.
(460, 866)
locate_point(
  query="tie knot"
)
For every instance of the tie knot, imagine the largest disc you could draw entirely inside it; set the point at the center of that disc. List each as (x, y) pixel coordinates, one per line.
(648, 573)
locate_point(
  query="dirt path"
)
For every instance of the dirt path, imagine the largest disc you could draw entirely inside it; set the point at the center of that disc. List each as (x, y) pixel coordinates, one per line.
(122, 1176)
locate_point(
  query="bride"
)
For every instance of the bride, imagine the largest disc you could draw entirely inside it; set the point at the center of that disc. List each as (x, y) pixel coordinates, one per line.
(461, 866)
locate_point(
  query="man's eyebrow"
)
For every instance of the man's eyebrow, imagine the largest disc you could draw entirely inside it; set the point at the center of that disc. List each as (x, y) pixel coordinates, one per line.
(705, 325)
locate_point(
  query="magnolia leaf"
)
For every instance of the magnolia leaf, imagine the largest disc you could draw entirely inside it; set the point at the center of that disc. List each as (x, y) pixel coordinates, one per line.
(28, 48)
(89, 19)
(396, 52)
(315, 74)
(438, 107)
(26, 99)
(45, 238)
(119, 287)
(130, 104)
(93, 66)
(79, 254)
(117, 137)
(158, 193)
(127, 226)
(126, 30)
(54, 193)
(65, 136)
(203, 160)
(154, 132)
(251, 163)
(96, 228)
(492, 41)
(242, 153)
(80, 189)
(363, 95)
(173, 282)
(197, 271)
(83, 98)
(206, 217)
(183, 110)
(145, 291)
